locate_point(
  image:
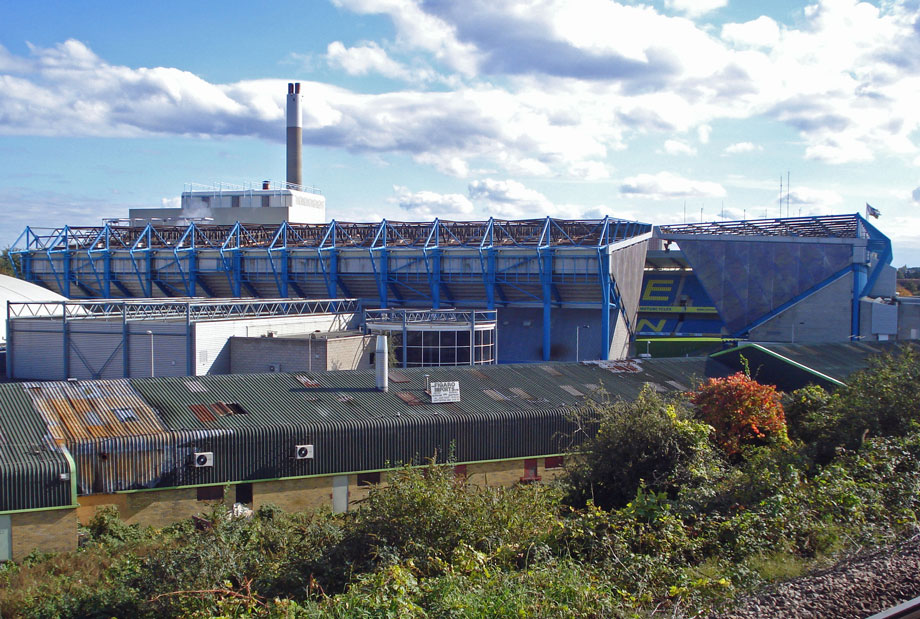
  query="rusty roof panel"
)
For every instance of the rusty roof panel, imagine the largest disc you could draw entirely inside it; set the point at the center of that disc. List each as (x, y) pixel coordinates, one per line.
(92, 409)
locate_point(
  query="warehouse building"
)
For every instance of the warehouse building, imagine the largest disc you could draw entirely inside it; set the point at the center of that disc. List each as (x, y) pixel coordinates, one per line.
(160, 449)
(155, 337)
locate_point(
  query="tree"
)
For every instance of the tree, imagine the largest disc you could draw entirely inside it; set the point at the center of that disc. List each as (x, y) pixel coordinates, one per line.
(653, 440)
(742, 412)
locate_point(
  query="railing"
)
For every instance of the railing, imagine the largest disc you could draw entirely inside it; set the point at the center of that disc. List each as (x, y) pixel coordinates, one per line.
(197, 310)
(427, 316)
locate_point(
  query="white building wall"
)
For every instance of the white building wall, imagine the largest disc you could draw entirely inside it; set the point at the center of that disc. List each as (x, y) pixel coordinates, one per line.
(212, 348)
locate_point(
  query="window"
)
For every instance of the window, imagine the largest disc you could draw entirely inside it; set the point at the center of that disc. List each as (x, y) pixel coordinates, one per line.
(210, 493)
(554, 462)
(125, 414)
(368, 479)
(244, 494)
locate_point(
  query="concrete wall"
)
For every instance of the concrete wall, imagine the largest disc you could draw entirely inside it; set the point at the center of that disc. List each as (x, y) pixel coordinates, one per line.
(824, 316)
(908, 319)
(212, 348)
(96, 349)
(53, 530)
(520, 335)
(250, 355)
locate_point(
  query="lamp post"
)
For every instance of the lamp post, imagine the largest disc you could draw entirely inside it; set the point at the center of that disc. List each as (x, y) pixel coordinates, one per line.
(577, 329)
(150, 333)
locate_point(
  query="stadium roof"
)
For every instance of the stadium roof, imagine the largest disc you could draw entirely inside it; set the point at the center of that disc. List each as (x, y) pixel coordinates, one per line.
(393, 234)
(826, 226)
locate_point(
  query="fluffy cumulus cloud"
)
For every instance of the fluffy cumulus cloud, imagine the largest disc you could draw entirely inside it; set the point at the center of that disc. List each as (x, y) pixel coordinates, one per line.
(666, 185)
(364, 59)
(742, 147)
(529, 88)
(430, 204)
(810, 201)
(695, 8)
(510, 199)
(676, 147)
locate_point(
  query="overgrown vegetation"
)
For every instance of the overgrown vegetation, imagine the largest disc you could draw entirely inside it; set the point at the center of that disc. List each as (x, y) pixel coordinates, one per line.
(661, 513)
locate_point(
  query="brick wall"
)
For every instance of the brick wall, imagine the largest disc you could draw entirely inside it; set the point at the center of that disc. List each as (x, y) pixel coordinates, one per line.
(294, 494)
(252, 355)
(53, 530)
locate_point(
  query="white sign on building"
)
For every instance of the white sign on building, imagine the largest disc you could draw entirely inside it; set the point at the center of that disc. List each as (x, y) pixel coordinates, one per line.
(445, 392)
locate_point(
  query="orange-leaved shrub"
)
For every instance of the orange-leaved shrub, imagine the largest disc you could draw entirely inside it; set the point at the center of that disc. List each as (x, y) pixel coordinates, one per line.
(742, 412)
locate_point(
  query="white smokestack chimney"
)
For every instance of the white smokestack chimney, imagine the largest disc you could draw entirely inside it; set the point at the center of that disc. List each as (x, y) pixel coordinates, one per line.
(294, 135)
(381, 364)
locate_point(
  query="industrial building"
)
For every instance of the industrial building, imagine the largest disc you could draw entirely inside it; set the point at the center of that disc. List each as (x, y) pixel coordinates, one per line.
(796, 279)
(545, 277)
(160, 448)
(155, 337)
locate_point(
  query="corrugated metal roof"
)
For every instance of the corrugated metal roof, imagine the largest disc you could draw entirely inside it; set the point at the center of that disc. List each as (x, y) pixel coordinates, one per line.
(117, 441)
(86, 409)
(31, 463)
(791, 366)
(145, 433)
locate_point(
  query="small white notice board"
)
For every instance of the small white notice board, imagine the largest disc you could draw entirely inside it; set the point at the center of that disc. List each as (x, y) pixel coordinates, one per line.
(445, 392)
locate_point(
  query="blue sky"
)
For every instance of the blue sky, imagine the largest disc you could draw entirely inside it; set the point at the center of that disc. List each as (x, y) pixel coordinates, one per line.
(462, 110)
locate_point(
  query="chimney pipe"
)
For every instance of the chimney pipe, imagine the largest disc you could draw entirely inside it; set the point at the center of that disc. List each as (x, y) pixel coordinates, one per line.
(294, 135)
(381, 364)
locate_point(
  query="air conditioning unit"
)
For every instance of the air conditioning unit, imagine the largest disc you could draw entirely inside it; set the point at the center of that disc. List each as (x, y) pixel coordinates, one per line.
(274, 367)
(303, 452)
(203, 458)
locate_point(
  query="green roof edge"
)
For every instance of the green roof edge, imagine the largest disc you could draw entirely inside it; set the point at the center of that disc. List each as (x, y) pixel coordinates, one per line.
(811, 371)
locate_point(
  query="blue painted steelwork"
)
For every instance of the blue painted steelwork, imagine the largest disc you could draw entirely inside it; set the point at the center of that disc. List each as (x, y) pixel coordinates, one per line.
(412, 264)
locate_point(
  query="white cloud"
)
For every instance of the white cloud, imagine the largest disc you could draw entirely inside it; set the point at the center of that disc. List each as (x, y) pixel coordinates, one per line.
(695, 8)
(760, 32)
(432, 204)
(665, 185)
(676, 147)
(421, 30)
(510, 199)
(742, 147)
(703, 132)
(364, 59)
(815, 201)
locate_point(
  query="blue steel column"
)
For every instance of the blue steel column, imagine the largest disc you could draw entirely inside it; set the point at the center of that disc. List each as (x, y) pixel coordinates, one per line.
(192, 272)
(285, 274)
(434, 278)
(67, 274)
(331, 287)
(107, 278)
(546, 277)
(383, 276)
(859, 281)
(604, 274)
(149, 266)
(490, 280)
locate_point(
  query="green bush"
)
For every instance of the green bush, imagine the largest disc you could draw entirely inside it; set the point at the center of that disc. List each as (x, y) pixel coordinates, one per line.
(653, 441)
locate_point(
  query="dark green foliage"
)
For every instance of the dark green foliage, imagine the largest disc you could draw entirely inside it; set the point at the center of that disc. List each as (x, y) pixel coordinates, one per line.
(653, 440)
(880, 401)
(692, 532)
